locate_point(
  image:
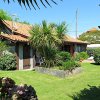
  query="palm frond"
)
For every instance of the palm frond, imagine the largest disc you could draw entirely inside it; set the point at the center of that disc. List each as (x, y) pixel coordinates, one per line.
(30, 3)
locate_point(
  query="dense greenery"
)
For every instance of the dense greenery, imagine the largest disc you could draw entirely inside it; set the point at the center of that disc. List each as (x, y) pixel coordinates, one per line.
(97, 56)
(62, 56)
(7, 62)
(49, 87)
(81, 56)
(45, 38)
(69, 65)
(4, 15)
(90, 51)
(92, 37)
(10, 91)
(3, 47)
(66, 62)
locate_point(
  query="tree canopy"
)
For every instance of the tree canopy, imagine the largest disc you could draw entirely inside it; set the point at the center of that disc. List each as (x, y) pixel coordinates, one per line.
(92, 37)
(46, 38)
(4, 15)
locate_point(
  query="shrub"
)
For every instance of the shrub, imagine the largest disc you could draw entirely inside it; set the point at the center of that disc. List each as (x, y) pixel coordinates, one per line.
(90, 51)
(49, 57)
(69, 65)
(7, 62)
(3, 47)
(81, 56)
(62, 57)
(97, 56)
(10, 91)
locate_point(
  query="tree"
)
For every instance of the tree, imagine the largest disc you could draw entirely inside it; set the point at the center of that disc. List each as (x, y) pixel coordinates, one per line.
(30, 3)
(4, 15)
(45, 39)
(61, 29)
(92, 37)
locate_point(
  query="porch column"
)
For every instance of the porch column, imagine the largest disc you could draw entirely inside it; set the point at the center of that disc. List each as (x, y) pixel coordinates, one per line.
(20, 57)
(31, 58)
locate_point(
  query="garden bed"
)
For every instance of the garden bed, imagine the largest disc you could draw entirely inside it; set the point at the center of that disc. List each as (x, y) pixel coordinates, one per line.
(58, 73)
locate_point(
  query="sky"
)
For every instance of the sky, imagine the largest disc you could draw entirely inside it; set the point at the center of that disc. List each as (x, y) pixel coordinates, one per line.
(88, 14)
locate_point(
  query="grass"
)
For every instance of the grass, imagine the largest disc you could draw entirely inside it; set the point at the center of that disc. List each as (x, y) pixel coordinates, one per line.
(53, 88)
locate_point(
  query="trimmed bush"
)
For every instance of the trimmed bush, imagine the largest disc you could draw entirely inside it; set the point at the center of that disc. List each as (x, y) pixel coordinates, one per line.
(69, 65)
(7, 62)
(62, 57)
(10, 91)
(97, 56)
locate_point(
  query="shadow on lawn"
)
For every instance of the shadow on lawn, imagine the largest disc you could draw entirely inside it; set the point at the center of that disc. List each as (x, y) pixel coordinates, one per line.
(95, 64)
(93, 93)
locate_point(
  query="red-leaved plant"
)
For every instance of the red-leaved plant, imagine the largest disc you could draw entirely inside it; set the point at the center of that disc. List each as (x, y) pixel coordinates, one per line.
(10, 91)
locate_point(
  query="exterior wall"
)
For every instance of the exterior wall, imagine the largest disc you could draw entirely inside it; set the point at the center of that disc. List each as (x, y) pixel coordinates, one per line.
(17, 55)
(25, 56)
(20, 57)
(32, 58)
(80, 47)
(72, 48)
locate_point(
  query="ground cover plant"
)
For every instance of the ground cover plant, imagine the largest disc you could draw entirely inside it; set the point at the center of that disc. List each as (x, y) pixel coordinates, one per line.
(10, 91)
(49, 87)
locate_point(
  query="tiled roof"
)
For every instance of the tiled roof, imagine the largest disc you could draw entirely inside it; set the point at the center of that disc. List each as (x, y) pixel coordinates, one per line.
(19, 28)
(14, 37)
(93, 29)
(23, 29)
(67, 38)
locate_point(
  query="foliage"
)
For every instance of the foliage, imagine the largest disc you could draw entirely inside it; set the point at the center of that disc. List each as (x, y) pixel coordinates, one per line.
(62, 56)
(25, 22)
(10, 91)
(3, 47)
(45, 39)
(50, 57)
(81, 56)
(90, 51)
(7, 62)
(69, 65)
(61, 29)
(92, 37)
(30, 3)
(90, 93)
(97, 56)
(65, 56)
(4, 15)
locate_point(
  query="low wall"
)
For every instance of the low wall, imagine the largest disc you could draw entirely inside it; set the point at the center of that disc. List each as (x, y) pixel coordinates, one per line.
(58, 73)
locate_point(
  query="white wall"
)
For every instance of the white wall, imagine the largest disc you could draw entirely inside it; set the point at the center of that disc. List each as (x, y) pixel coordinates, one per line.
(32, 58)
(20, 57)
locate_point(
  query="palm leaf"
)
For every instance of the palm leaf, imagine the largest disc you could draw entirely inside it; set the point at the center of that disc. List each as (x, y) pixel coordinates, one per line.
(30, 3)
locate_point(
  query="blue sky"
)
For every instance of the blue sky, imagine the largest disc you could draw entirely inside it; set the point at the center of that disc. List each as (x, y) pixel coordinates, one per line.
(88, 13)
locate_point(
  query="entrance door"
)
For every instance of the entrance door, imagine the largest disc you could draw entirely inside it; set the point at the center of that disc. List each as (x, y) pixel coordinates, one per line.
(26, 57)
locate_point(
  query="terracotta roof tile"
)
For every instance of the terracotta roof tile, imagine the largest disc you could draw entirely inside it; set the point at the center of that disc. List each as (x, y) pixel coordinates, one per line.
(14, 37)
(19, 28)
(67, 38)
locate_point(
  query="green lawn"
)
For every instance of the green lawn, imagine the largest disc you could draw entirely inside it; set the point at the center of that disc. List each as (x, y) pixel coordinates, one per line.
(53, 88)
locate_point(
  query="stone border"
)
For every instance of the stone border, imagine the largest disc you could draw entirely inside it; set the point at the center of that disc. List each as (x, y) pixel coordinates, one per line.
(58, 73)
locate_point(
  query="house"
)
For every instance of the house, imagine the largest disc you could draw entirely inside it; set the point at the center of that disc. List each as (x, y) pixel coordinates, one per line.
(17, 34)
(73, 45)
